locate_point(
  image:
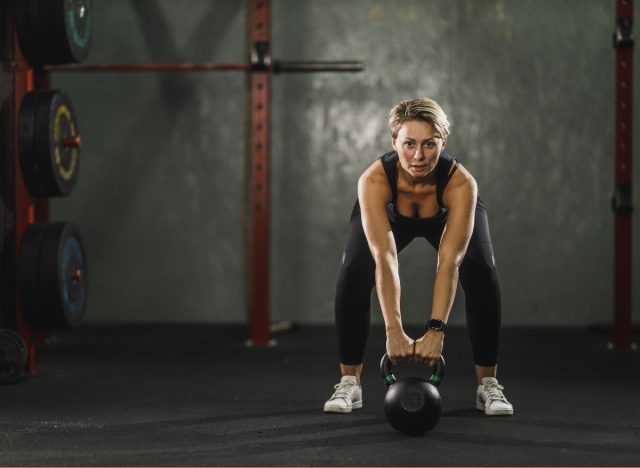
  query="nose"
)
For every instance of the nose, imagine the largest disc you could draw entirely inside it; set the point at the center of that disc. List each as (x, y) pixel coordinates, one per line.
(419, 154)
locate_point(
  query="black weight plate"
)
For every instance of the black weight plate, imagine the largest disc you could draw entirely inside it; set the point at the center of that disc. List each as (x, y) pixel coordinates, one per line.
(55, 121)
(10, 372)
(72, 276)
(70, 38)
(13, 356)
(54, 32)
(66, 159)
(23, 28)
(57, 298)
(49, 165)
(61, 259)
(26, 144)
(78, 16)
(28, 274)
(32, 24)
(43, 23)
(12, 344)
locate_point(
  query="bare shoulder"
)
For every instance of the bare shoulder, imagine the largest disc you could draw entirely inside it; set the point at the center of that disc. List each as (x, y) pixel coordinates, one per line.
(462, 186)
(373, 183)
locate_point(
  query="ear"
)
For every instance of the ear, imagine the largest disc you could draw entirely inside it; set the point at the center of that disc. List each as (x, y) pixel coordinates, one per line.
(393, 143)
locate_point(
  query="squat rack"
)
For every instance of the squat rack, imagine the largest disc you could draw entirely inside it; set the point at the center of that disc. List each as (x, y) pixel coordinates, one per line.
(260, 68)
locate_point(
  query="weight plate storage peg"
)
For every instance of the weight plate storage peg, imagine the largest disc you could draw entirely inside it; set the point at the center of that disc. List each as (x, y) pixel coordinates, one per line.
(13, 356)
(52, 276)
(412, 405)
(48, 143)
(54, 32)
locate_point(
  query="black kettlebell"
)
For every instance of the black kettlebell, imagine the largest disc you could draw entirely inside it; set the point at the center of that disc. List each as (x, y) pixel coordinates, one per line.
(412, 404)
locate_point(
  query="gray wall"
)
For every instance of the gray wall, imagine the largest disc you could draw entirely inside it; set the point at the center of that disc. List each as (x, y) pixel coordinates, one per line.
(528, 87)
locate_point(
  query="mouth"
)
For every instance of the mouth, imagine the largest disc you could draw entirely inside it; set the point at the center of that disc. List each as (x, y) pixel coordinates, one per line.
(415, 168)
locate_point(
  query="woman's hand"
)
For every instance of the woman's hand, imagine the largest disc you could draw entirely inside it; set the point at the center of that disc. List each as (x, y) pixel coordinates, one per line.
(399, 346)
(429, 348)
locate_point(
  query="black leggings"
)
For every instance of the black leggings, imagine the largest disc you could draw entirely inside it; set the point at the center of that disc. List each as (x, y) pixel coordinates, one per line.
(478, 277)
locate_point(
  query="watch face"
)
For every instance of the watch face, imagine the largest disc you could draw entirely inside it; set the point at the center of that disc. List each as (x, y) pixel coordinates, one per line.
(436, 324)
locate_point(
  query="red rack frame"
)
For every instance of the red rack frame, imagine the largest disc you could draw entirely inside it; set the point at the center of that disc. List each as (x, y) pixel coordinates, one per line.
(622, 200)
(260, 166)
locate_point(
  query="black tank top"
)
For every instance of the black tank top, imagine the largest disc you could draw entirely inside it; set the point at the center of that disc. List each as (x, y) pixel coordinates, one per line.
(444, 172)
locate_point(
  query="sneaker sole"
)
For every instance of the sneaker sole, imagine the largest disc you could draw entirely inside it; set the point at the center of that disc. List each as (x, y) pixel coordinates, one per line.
(348, 409)
(503, 412)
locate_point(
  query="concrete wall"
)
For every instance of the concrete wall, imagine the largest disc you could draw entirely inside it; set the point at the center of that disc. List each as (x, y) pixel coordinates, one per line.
(528, 87)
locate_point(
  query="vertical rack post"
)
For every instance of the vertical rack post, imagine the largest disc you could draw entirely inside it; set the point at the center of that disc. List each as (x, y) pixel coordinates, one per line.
(260, 78)
(622, 201)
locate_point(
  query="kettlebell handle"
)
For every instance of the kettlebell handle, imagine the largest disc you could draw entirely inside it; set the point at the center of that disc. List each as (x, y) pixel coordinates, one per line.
(386, 370)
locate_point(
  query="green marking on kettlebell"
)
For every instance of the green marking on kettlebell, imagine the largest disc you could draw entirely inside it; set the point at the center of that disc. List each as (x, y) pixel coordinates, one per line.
(389, 379)
(81, 41)
(435, 378)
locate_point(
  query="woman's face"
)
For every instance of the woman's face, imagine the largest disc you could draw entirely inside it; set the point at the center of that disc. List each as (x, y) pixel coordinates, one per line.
(418, 146)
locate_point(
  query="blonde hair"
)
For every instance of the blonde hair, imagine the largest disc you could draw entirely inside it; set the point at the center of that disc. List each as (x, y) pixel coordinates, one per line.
(423, 109)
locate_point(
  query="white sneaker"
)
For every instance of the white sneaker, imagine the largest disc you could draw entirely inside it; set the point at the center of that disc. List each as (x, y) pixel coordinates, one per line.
(347, 396)
(491, 400)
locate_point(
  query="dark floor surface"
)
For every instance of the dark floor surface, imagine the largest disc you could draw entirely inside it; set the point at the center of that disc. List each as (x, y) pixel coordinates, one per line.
(160, 395)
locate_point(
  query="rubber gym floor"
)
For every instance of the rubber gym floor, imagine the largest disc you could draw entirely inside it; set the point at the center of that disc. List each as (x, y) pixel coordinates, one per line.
(196, 395)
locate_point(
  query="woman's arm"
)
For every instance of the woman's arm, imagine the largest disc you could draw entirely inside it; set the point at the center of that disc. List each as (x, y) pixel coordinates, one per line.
(373, 195)
(460, 197)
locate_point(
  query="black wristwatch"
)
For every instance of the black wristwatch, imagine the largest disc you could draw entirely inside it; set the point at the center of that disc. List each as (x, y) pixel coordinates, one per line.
(437, 325)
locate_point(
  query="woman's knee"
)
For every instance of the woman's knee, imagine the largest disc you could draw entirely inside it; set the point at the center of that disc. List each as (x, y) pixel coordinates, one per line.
(357, 270)
(478, 264)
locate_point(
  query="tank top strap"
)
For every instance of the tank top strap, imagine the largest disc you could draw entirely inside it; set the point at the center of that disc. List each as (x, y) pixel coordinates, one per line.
(389, 161)
(444, 172)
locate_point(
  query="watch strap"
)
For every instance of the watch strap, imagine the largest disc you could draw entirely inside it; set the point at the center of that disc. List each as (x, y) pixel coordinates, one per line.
(436, 325)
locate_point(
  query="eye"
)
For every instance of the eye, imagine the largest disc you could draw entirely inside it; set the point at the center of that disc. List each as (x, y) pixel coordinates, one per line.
(430, 144)
(409, 144)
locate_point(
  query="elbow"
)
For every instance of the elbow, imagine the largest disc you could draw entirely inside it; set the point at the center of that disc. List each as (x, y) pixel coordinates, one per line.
(450, 262)
(385, 260)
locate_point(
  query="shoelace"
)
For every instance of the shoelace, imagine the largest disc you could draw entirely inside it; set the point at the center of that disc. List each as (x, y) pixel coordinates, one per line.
(342, 390)
(494, 392)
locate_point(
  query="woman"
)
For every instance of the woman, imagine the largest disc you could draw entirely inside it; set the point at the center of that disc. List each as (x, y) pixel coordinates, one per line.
(418, 190)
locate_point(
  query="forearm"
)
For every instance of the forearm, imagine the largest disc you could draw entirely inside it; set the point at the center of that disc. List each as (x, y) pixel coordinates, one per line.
(430, 346)
(388, 290)
(444, 291)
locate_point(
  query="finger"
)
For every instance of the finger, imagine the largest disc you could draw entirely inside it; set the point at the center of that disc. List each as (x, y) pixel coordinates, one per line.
(407, 358)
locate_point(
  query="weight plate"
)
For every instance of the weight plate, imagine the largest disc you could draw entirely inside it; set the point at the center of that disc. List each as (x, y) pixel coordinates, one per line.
(54, 286)
(28, 275)
(13, 356)
(23, 28)
(26, 140)
(78, 28)
(54, 32)
(48, 143)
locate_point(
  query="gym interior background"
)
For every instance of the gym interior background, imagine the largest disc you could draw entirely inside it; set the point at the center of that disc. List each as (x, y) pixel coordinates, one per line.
(529, 88)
